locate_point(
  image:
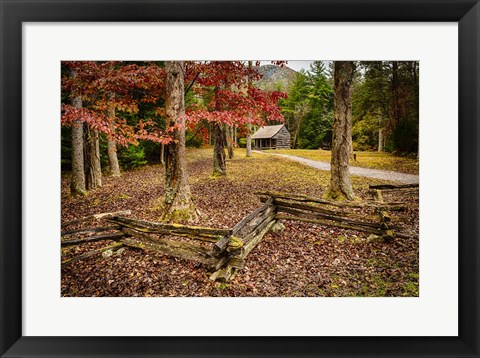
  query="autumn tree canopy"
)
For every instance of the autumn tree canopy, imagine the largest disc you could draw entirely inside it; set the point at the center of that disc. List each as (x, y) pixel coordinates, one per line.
(220, 94)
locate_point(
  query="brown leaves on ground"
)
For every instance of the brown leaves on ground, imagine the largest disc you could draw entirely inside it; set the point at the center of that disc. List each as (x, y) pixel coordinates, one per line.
(305, 260)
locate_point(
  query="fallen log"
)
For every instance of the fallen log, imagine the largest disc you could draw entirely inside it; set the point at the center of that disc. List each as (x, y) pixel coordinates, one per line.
(112, 236)
(86, 255)
(392, 187)
(89, 229)
(97, 217)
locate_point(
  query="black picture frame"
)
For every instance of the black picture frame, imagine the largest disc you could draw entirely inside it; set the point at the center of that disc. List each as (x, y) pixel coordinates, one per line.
(15, 12)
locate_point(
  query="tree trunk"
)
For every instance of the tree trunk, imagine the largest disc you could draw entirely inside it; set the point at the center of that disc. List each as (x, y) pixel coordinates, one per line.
(112, 151)
(395, 85)
(249, 125)
(296, 134)
(210, 134)
(249, 140)
(219, 165)
(229, 135)
(77, 186)
(381, 139)
(235, 138)
(178, 204)
(92, 159)
(340, 185)
(113, 159)
(162, 154)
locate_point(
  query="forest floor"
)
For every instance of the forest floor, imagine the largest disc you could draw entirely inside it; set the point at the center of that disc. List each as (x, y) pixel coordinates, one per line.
(373, 160)
(305, 260)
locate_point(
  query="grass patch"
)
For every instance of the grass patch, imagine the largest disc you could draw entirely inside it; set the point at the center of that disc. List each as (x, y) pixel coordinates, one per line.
(373, 160)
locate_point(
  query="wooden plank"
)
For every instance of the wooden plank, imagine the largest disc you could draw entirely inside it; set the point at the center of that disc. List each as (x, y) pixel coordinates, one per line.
(400, 234)
(377, 196)
(97, 217)
(384, 216)
(203, 237)
(393, 187)
(235, 262)
(318, 209)
(173, 229)
(226, 273)
(112, 236)
(220, 246)
(174, 244)
(303, 205)
(220, 263)
(259, 228)
(253, 224)
(86, 255)
(89, 229)
(332, 223)
(340, 204)
(245, 230)
(256, 239)
(315, 215)
(170, 250)
(251, 216)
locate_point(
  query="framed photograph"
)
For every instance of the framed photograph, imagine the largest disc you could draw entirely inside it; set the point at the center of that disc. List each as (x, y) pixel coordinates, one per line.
(239, 178)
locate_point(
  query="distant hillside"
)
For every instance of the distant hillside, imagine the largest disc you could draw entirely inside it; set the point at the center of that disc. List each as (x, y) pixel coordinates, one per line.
(275, 77)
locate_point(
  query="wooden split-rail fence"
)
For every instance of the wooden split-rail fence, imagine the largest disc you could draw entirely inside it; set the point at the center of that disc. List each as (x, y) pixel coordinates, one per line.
(225, 251)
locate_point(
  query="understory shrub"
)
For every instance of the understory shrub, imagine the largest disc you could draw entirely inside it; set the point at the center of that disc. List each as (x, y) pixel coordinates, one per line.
(132, 156)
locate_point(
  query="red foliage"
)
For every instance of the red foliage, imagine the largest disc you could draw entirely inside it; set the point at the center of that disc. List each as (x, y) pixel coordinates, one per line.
(109, 89)
(233, 101)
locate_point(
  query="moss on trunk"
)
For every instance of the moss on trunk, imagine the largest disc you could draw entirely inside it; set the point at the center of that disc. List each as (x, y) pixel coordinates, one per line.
(340, 185)
(178, 204)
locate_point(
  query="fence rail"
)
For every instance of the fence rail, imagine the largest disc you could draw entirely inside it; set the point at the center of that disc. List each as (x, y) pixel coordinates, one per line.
(225, 251)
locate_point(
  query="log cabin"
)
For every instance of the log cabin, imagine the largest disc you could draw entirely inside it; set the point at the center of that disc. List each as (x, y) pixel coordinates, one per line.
(271, 137)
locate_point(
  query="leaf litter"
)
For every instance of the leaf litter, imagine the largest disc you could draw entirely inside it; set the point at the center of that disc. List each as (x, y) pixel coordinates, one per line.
(304, 260)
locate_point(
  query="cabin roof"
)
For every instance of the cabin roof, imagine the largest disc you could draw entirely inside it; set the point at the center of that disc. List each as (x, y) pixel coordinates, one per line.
(267, 131)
